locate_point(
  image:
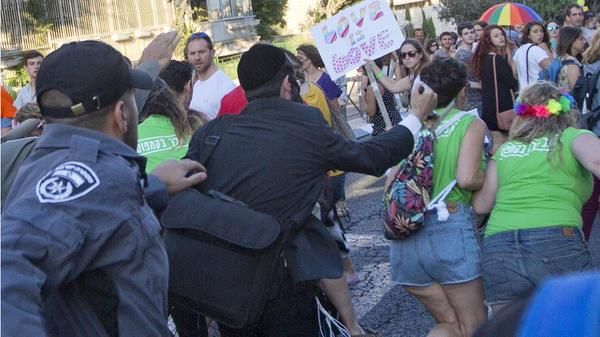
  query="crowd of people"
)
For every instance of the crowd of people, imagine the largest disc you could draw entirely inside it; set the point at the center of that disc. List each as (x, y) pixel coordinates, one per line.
(82, 249)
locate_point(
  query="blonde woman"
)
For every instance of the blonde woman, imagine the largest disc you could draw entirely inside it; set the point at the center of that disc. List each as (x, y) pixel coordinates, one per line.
(591, 66)
(535, 187)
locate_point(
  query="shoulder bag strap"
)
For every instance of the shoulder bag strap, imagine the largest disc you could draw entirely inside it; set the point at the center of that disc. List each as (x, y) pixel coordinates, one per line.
(436, 202)
(216, 131)
(495, 83)
(527, 62)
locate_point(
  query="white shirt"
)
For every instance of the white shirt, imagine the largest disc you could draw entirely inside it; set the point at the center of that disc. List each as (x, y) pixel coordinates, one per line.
(208, 94)
(535, 56)
(26, 95)
(412, 123)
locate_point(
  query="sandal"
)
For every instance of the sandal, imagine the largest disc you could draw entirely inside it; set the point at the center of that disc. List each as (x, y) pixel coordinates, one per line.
(341, 210)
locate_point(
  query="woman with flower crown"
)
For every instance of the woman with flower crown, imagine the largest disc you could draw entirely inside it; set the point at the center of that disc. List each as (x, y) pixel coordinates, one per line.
(535, 187)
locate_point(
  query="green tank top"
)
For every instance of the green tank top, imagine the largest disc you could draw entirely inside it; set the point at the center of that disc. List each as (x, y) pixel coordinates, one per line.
(157, 141)
(445, 152)
(535, 192)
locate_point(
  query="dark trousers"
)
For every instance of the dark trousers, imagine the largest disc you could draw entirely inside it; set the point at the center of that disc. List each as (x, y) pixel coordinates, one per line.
(292, 313)
(590, 210)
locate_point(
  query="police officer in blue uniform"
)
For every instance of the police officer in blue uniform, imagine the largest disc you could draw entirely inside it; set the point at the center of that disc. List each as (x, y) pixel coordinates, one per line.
(81, 249)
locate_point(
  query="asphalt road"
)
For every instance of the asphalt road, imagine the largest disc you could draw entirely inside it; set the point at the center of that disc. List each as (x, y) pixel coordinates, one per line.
(381, 305)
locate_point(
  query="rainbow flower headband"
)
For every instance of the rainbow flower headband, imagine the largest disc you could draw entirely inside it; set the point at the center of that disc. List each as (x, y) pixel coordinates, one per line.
(552, 108)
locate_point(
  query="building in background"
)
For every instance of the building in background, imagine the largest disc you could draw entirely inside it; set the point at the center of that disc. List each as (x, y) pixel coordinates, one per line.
(298, 18)
(230, 23)
(127, 25)
(414, 6)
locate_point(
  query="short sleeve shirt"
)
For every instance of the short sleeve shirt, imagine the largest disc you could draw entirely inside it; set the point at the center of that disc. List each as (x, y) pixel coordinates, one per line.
(26, 95)
(207, 95)
(158, 142)
(533, 58)
(331, 90)
(539, 184)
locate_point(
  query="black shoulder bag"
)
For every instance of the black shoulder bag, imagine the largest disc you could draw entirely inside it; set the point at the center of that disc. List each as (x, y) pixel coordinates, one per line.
(222, 254)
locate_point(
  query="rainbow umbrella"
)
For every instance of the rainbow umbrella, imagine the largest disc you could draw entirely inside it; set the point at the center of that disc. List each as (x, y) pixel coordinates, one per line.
(509, 14)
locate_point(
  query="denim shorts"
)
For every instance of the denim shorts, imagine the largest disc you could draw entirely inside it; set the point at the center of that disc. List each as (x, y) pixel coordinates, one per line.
(515, 262)
(444, 252)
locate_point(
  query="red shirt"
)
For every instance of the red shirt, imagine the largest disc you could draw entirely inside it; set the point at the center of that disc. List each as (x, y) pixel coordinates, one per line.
(8, 110)
(233, 103)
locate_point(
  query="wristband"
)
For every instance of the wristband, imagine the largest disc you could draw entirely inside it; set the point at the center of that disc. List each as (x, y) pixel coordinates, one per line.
(379, 75)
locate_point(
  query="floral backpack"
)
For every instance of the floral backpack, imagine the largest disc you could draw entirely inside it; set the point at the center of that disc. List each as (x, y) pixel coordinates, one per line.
(408, 197)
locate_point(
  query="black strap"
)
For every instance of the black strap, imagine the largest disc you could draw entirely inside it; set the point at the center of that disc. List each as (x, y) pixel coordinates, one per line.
(594, 118)
(216, 130)
(527, 62)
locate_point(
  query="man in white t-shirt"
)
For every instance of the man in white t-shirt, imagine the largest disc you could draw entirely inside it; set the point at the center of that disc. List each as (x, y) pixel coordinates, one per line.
(32, 60)
(211, 84)
(533, 55)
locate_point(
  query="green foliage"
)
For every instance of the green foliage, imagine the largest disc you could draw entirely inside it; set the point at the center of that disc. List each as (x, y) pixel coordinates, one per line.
(18, 79)
(292, 42)
(470, 10)
(408, 28)
(271, 14)
(326, 9)
(423, 18)
(429, 28)
(35, 14)
(428, 25)
(188, 17)
(229, 65)
(548, 10)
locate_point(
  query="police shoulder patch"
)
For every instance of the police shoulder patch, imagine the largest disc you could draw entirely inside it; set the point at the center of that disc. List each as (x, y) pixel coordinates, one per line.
(68, 181)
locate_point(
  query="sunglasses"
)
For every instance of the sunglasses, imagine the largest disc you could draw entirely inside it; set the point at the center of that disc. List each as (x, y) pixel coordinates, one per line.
(199, 35)
(553, 28)
(410, 54)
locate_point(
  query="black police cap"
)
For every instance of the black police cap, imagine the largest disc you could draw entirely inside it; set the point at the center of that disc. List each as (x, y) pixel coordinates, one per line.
(91, 73)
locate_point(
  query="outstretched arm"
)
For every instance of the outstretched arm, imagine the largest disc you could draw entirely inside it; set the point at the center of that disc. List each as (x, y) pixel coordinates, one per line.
(394, 86)
(586, 148)
(378, 154)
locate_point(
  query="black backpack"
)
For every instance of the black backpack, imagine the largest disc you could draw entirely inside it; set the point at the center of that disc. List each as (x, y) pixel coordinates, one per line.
(583, 92)
(585, 88)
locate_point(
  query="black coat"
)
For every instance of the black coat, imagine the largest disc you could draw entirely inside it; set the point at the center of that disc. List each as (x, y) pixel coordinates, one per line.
(506, 83)
(273, 157)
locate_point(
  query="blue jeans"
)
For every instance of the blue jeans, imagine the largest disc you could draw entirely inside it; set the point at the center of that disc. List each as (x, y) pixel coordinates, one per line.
(444, 252)
(515, 262)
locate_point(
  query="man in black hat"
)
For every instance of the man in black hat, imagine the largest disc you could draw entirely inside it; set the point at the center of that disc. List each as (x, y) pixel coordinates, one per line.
(273, 157)
(81, 249)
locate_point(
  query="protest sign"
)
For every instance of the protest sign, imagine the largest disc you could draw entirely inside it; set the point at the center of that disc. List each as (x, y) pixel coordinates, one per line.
(367, 30)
